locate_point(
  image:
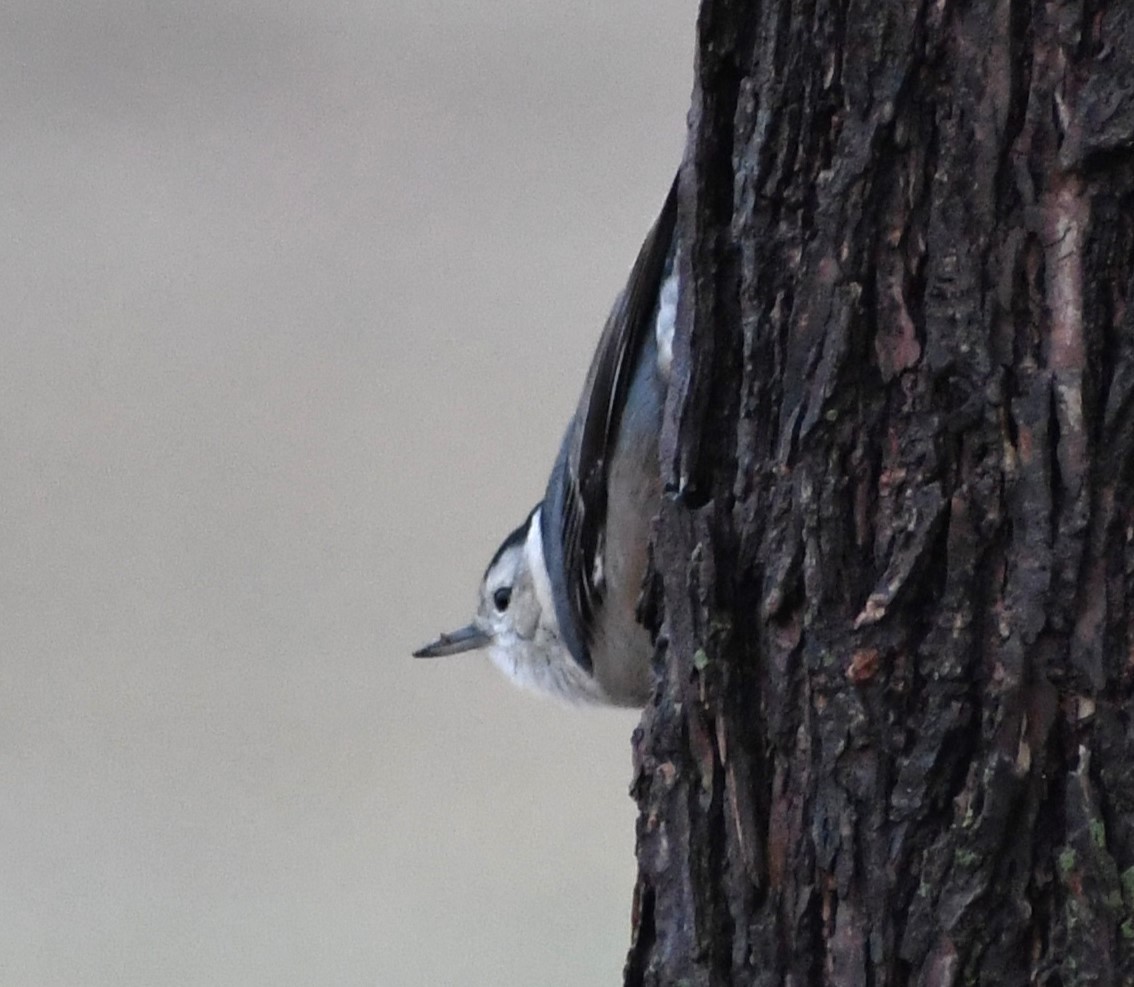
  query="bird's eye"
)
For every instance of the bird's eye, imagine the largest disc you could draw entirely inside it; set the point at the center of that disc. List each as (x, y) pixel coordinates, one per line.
(501, 598)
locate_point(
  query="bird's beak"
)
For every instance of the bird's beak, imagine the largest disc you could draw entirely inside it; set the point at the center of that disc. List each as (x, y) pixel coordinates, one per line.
(466, 639)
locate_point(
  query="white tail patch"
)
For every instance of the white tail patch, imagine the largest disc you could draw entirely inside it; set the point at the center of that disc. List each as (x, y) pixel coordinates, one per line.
(666, 322)
(598, 575)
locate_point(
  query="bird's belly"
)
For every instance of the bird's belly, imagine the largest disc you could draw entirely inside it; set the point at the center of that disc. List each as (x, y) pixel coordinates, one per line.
(621, 650)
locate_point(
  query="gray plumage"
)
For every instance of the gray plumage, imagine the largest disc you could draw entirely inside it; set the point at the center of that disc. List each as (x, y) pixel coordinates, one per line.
(558, 600)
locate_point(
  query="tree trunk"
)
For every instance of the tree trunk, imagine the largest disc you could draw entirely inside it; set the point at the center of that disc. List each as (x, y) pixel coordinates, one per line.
(894, 740)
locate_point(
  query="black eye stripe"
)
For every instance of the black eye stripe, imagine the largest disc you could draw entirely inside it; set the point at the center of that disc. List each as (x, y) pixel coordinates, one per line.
(501, 598)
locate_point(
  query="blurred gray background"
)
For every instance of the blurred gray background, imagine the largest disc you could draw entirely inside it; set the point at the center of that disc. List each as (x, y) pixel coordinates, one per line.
(297, 297)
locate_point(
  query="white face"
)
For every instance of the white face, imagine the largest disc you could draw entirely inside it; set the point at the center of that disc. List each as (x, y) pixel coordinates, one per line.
(509, 610)
(515, 623)
(516, 611)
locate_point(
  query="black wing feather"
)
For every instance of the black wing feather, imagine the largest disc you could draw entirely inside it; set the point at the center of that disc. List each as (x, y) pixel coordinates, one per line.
(596, 425)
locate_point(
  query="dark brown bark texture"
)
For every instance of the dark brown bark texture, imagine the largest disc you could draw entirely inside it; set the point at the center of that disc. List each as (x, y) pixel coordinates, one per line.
(893, 743)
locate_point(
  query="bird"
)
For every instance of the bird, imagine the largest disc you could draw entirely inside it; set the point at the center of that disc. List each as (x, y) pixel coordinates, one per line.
(558, 601)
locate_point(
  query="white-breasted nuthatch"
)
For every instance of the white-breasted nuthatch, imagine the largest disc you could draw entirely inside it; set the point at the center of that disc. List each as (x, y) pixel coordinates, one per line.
(558, 601)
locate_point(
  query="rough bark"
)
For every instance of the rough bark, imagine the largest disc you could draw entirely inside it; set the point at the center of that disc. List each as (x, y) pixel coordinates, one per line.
(893, 742)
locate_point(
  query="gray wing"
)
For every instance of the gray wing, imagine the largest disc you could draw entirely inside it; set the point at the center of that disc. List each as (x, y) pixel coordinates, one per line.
(589, 445)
